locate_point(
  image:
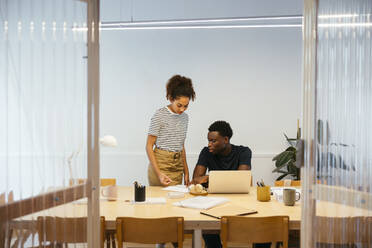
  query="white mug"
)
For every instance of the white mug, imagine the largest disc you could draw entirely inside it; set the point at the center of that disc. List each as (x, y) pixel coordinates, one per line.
(111, 192)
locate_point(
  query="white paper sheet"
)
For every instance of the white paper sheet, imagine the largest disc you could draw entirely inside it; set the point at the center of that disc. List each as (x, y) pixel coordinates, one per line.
(201, 202)
(177, 188)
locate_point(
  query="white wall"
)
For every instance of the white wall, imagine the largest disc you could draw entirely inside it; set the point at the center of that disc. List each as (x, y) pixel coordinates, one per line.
(248, 77)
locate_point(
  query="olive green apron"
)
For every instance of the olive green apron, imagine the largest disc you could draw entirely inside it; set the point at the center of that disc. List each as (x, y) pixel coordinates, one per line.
(170, 163)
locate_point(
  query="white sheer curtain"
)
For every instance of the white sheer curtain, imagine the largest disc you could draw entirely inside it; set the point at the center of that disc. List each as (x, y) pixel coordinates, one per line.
(340, 206)
(43, 95)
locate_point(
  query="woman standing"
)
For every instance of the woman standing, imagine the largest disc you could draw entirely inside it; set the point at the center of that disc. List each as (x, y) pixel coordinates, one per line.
(166, 137)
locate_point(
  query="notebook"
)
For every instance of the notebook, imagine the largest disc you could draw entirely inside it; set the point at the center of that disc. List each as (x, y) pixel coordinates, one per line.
(236, 181)
(228, 210)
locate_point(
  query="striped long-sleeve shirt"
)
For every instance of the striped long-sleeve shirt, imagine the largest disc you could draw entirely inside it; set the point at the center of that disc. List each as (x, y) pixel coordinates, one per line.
(169, 128)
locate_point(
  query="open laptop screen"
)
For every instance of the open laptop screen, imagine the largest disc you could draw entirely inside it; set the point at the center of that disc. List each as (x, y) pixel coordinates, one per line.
(229, 181)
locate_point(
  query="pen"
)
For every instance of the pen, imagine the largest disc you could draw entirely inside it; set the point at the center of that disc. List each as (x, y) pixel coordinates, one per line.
(260, 184)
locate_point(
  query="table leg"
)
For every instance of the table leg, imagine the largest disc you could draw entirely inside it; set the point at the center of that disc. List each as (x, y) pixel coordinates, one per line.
(2, 234)
(107, 236)
(113, 240)
(197, 238)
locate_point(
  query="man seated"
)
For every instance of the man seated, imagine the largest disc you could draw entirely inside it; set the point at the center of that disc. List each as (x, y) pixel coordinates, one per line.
(220, 155)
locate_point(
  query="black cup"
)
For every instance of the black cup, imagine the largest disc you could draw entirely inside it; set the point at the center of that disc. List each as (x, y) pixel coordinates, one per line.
(139, 193)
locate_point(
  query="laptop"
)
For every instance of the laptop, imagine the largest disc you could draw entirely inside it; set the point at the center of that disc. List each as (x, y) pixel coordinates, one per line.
(229, 181)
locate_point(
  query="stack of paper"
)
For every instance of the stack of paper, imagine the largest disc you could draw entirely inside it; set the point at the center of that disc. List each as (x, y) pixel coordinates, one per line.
(201, 202)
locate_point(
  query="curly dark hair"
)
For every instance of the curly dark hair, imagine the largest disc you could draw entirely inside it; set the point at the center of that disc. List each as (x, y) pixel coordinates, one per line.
(180, 86)
(222, 127)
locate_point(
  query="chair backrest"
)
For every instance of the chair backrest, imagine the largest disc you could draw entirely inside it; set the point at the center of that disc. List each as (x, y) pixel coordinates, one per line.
(344, 230)
(11, 196)
(150, 231)
(292, 183)
(65, 230)
(254, 229)
(104, 181)
(2, 198)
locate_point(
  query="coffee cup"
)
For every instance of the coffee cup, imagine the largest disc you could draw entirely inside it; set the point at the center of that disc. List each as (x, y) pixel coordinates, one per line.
(111, 192)
(289, 197)
(263, 193)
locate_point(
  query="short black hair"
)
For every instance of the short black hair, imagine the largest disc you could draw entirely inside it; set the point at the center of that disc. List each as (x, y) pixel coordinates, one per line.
(222, 127)
(178, 86)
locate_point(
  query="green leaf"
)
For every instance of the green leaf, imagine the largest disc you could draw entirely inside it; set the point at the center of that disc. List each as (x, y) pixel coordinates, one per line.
(281, 171)
(277, 156)
(282, 176)
(287, 155)
(285, 161)
(292, 168)
(281, 166)
(289, 140)
(286, 137)
(291, 148)
(283, 154)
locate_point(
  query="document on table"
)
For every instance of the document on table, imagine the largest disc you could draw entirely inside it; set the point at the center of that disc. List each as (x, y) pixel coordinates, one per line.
(201, 202)
(177, 188)
(228, 210)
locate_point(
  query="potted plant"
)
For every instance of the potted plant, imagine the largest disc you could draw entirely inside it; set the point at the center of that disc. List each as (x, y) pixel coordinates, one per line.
(285, 162)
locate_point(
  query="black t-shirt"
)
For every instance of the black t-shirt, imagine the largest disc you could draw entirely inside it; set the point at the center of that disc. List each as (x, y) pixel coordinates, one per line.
(238, 155)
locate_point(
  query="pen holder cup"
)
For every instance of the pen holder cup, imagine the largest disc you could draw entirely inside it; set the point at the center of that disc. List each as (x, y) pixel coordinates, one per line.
(263, 193)
(139, 194)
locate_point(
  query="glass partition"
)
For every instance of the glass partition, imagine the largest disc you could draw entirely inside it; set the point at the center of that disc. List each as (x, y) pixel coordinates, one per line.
(339, 159)
(43, 121)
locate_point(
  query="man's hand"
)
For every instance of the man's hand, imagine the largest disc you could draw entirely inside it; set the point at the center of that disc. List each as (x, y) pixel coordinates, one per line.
(199, 176)
(199, 180)
(164, 179)
(186, 179)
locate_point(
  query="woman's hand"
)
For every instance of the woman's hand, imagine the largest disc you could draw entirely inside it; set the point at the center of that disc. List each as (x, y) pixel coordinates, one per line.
(164, 179)
(186, 179)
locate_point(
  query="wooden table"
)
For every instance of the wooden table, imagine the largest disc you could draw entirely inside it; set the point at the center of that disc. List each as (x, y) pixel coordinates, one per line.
(194, 221)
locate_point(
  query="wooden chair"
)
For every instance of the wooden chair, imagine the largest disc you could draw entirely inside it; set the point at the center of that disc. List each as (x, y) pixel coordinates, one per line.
(251, 230)
(293, 183)
(2, 227)
(104, 181)
(2, 199)
(359, 230)
(17, 234)
(59, 231)
(150, 231)
(109, 234)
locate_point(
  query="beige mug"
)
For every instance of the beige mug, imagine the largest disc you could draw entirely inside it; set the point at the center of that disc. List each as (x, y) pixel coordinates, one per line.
(111, 192)
(289, 197)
